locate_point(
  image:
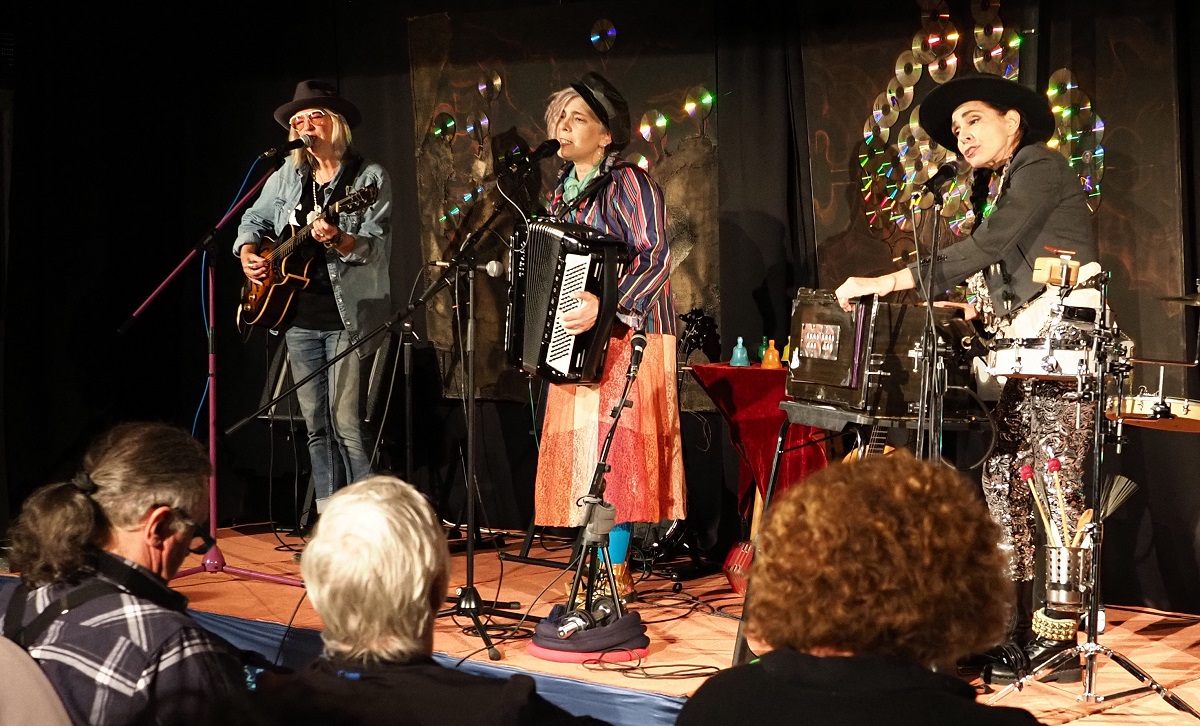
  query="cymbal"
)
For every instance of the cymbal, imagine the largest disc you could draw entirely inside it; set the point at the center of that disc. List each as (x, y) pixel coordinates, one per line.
(1193, 299)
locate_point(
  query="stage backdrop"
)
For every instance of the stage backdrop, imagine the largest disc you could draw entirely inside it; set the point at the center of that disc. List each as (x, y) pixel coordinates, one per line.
(476, 76)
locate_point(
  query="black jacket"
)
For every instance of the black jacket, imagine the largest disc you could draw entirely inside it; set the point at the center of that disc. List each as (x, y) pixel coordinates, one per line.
(787, 687)
(1044, 205)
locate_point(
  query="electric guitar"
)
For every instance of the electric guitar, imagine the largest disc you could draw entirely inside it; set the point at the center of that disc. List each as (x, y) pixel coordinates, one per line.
(876, 446)
(265, 302)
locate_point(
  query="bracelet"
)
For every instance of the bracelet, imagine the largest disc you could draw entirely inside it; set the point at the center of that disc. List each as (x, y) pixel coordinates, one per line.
(334, 241)
(1054, 628)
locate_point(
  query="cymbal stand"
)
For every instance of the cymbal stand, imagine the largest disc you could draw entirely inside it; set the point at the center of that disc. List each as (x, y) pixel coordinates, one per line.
(1103, 343)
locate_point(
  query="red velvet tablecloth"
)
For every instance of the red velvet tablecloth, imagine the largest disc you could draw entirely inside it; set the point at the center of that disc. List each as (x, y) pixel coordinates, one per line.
(748, 397)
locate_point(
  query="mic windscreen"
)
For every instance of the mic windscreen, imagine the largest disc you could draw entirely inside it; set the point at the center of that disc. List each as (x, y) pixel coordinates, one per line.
(494, 268)
(306, 139)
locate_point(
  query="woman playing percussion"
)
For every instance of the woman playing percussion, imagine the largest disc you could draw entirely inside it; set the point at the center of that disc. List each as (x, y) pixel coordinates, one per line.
(999, 129)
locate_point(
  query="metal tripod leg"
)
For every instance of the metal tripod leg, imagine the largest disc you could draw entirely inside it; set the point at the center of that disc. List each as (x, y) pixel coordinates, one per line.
(1090, 651)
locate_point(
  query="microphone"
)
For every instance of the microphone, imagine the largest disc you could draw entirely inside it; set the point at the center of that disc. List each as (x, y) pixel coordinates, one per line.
(549, 147)
(635, 358)
(577, 620)
(305, 141)
(945, 173)
(492, 269)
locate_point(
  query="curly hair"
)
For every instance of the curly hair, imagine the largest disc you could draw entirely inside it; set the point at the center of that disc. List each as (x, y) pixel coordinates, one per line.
(887, 556)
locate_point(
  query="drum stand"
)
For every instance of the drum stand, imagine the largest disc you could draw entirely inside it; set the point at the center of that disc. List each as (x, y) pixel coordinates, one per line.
(1090, 649)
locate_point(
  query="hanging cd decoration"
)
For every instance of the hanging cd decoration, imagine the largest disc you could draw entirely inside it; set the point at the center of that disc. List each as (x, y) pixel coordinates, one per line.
(922, 51)
(489, 86)
(698, 102)
(1061, 81)
(883, 112)
(875, 136)
(941, 36)
(603, 35)
(988, 35)
(985, 11)
(899, 96)
(442, 127)
(653, 125)
(943, 69)
(908, 69)
(477, 128)
(638, 160)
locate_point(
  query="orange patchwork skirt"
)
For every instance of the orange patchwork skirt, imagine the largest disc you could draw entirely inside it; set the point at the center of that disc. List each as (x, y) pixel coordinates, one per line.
(645, 482)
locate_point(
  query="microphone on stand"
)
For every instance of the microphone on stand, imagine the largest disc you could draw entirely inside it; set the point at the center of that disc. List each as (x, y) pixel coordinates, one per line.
(580, 619)
(547, 148)
(945, 173)
(305, 141)
(635, 358)
(495, 268)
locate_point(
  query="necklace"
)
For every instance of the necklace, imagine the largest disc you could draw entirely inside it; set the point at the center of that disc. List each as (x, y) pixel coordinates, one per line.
(316, 210)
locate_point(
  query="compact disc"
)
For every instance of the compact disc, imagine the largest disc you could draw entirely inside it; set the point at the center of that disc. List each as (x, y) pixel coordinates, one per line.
(985, 11)
(883, 112)
(988, 35)
(899, 95)
(875, 136)
(943, 69)
(908, 69)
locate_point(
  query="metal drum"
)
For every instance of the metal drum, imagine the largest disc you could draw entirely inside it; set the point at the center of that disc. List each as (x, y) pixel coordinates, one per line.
(1156, 412)
(1062, 355)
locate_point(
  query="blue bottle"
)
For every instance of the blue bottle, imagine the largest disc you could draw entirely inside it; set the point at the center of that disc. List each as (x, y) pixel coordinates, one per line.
(740, 357)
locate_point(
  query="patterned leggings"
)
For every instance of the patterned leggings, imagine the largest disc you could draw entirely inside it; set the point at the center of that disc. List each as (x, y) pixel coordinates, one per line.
(1033, 419)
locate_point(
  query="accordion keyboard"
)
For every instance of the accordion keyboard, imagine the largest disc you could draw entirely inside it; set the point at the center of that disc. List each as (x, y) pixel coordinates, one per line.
(562, 343)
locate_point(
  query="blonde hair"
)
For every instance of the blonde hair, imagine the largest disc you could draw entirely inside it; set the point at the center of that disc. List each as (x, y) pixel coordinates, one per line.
(340, 137)
(555, 105)
(887, 556)
(130, 469)
(376, 570)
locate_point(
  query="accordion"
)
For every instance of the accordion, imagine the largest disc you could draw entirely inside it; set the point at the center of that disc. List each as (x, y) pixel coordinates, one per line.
(550, 261)
(868, 360)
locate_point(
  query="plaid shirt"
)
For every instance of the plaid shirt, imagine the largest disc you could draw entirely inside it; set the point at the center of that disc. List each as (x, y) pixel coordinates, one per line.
(122, 658)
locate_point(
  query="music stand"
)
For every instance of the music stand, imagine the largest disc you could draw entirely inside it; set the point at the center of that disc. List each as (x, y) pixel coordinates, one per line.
(213, 560)
(1091, 648)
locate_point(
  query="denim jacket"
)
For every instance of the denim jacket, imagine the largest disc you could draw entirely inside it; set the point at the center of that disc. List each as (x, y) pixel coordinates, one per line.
(361, 285)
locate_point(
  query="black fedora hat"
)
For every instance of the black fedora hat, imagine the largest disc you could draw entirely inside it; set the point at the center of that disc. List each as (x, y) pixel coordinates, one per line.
(938, 107)
(609, 106)
(317, 94)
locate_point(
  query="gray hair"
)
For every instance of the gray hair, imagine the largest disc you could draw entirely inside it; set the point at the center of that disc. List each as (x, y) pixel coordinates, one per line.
(376, 570)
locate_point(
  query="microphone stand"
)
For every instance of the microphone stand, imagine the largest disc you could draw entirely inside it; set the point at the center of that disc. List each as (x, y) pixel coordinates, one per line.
(213, 560)
(593, 534)
(929, 414)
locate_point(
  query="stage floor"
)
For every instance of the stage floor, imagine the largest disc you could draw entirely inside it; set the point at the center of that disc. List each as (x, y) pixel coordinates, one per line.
(692, 631)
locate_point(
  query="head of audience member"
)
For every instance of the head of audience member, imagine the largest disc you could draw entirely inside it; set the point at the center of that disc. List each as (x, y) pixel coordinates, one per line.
(888, 556)
(376, 571)
(140, 494)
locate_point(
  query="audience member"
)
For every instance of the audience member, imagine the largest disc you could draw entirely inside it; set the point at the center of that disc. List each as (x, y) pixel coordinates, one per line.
(865, 579)
(376, 571)
(93, 607)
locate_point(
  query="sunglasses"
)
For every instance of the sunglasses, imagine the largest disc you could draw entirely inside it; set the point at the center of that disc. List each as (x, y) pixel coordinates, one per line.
(317, 116)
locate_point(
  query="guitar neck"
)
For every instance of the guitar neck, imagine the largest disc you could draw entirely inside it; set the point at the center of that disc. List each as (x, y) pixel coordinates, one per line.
(289, 246)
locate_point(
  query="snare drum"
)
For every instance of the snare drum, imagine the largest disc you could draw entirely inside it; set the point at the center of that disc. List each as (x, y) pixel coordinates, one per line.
(1053, 358)
(1137, 411)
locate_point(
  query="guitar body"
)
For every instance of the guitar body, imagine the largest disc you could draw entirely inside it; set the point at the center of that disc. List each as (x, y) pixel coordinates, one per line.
(266, 302)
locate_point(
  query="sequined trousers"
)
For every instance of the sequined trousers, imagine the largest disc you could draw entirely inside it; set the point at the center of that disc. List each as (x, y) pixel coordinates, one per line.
(1035, 422)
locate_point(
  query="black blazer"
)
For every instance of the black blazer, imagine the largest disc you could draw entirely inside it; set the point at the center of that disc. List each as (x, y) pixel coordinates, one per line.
(1043, 205)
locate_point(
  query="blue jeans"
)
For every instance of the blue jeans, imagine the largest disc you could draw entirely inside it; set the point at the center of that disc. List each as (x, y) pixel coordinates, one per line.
(333, 404)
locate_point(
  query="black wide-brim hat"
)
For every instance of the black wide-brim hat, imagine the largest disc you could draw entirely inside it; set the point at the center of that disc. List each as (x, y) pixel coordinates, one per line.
(938, 107)
(609, 106)
(317, 94)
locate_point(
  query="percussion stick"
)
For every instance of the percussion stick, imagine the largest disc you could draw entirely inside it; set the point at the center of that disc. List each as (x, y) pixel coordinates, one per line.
(1084, 520)
(1062, 509)
(1041, 510)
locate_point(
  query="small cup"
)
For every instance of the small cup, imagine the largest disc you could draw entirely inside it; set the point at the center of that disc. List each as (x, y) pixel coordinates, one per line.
(1068, 577)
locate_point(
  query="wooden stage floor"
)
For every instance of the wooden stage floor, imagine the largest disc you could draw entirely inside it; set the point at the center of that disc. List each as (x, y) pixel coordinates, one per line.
(693, 631)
